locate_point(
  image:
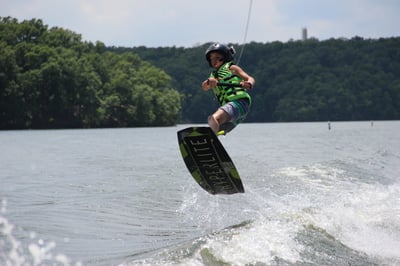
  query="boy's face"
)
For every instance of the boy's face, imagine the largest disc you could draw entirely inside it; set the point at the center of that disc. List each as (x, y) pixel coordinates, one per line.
(216, 59)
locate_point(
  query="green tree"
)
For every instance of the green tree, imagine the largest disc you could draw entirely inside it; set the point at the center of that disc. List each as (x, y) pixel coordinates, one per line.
(49, 78)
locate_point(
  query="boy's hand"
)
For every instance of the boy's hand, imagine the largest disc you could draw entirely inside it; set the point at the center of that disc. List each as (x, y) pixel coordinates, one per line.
(246, 84)
(209, 84)
(212, 82)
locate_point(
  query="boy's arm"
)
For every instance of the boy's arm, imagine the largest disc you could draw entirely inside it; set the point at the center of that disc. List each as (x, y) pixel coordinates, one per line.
(248, 82)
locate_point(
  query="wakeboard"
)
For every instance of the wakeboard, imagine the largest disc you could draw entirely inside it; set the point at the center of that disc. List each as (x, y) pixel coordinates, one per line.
(208, 162)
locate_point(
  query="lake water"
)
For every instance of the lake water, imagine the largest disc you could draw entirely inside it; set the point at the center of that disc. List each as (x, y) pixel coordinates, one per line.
(124, 197)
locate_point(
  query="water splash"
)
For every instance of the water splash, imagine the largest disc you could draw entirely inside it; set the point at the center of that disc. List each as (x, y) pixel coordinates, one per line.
(357, 207)
(37, 252)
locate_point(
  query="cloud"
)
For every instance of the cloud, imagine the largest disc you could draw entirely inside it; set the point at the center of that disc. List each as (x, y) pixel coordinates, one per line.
(104, 12)
(185, 23)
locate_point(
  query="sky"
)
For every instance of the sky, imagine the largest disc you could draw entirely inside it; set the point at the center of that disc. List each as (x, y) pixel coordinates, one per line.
(188, 23)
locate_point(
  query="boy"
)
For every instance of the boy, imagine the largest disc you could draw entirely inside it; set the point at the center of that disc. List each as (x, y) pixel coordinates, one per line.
(229, 83)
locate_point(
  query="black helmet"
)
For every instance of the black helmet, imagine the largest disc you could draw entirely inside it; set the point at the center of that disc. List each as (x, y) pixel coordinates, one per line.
(227, 51)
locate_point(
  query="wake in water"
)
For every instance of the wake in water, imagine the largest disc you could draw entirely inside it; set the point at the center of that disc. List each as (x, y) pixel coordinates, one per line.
(334, 213)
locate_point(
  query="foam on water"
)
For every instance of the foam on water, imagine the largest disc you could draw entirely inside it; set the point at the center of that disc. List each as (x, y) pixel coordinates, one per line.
(324, 213)
(360, 213)
(367, 220)
(263, 241)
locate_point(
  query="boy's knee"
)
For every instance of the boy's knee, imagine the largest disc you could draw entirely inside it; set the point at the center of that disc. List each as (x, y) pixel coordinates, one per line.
(213, 124)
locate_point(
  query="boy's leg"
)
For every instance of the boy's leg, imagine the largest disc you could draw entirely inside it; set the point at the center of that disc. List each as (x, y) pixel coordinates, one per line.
(217, 119)
(236, 112)
(213, 124)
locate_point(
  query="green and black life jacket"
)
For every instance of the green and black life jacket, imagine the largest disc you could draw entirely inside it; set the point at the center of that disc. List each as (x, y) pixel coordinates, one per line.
(228, 93)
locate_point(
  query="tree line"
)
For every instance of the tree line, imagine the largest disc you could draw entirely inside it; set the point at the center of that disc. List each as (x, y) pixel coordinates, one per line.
(311, 80)
(50, 78)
